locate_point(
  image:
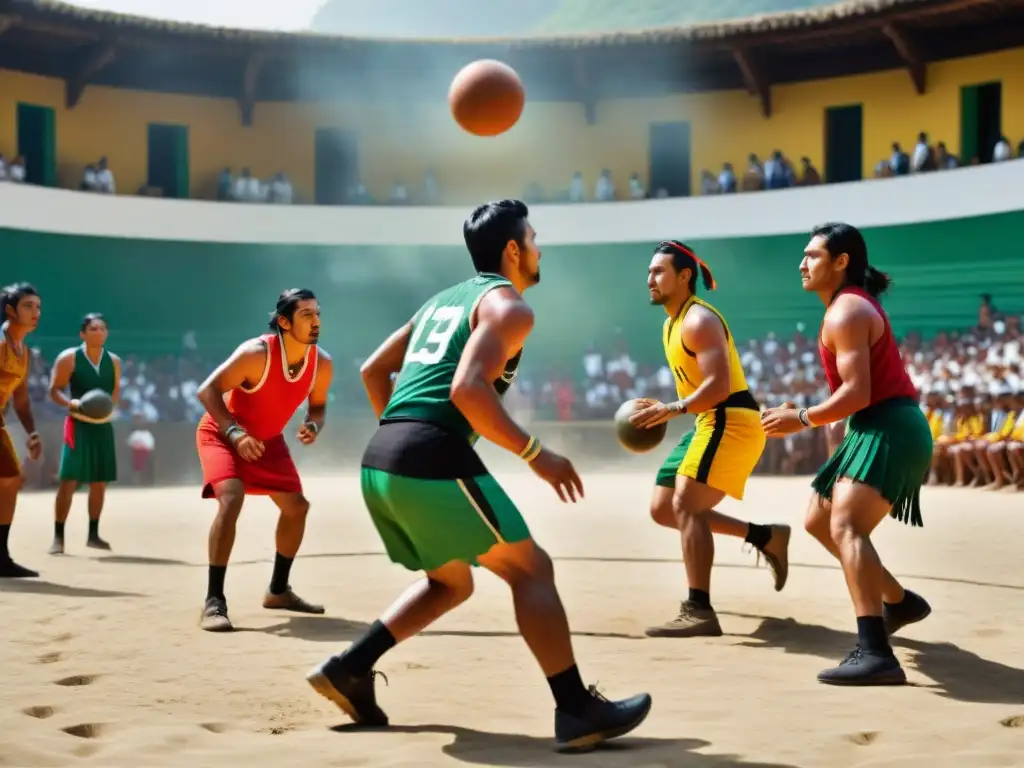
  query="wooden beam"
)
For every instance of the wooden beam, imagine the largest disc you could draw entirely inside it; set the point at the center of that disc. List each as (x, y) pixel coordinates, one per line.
(93, 61)
(754, 78)
(846, 27)
(911, 54)
(250, 78)
(584, 85)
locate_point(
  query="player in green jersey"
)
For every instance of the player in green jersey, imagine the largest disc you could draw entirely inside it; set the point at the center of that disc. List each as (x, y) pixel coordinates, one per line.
(89, 455)
(436, 507)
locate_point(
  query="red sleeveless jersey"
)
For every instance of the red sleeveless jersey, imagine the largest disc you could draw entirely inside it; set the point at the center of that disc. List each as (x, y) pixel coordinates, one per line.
(265, 410)
(889, 376)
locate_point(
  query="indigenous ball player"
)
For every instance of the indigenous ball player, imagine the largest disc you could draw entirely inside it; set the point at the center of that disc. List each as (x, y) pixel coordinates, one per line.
(21, 307)
(432, 500)
(884, 458)
(249, 400)
(716, 458)
(89, 456)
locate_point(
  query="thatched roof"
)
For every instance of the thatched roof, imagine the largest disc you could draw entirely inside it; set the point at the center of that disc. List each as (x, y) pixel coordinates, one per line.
(82, 46)
(752, 27)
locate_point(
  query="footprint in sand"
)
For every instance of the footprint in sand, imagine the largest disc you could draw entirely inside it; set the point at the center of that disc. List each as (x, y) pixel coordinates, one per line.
(75, 680)
(1017, 721)
(863, 739)
(49, 658)
(85, 730)
(40, 713)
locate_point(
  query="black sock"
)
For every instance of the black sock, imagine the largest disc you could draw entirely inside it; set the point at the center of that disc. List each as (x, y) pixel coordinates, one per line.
(94, 529)
(570, 694)
(5, 532)
(758, 535)
(872, 635)
(215, 585)
(367, 650)
(700, 598)
(58, 531)
(279, 579)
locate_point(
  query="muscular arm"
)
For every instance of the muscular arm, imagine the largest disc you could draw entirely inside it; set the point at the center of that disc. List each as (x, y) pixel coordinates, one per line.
(316, 407)
(243, 368)
(503, 322)
(847, 330)
(63, 367)
(377, 370)
(23, 407)
(704, 334)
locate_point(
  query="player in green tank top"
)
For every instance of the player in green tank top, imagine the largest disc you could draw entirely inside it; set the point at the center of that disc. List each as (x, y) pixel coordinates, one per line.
(434, 504)
(441, 330)
(89, 455)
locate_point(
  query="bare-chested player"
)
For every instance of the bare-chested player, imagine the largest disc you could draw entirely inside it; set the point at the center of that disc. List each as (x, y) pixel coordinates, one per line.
(436, 507)
(20, 306)
(249, 400)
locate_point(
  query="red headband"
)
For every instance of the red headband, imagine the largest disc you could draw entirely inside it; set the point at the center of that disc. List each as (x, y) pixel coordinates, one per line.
(683, 249)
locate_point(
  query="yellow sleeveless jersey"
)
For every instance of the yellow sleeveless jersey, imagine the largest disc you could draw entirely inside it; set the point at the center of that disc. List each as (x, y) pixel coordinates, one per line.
(683, 361)
(13, 370)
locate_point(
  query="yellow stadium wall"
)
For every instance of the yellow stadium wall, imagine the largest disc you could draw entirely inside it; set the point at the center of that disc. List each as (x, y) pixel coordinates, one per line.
(550, 142)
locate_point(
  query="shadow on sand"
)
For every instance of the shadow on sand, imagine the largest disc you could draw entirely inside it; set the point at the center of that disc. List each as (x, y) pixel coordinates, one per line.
(512, 751)
(331, 629)
(37, 587)
(958, 673)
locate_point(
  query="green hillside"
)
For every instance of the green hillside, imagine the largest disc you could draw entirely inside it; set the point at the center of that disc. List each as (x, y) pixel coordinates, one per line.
(463, 18)
(574, 16)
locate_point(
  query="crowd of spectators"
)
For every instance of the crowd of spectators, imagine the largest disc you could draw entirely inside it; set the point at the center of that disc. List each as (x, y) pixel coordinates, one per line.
(971, 384)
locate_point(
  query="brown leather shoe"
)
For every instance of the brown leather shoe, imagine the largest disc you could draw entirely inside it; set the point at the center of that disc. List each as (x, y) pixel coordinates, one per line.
(776, 554)
(214, 617)
(691, 622)
(289, 601)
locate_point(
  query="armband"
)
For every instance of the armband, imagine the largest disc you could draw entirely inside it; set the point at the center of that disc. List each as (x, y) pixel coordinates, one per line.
(531, 451)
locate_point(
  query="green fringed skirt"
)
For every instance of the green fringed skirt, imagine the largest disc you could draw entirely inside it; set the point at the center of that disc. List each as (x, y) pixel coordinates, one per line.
(888, 446)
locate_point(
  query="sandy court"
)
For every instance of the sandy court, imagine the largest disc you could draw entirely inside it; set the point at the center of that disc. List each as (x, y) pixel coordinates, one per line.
(104, 663)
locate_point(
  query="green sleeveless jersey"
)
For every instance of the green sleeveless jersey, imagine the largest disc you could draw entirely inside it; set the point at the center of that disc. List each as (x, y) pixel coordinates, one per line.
(440, 332)
(87, 377)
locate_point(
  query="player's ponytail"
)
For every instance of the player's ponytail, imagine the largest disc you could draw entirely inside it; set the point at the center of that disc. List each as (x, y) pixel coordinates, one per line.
(705, 275)
(875, 281)
(683, 257)
(287, 303)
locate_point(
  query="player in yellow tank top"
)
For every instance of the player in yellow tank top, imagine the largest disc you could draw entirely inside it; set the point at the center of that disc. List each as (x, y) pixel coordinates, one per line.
(715, 459)
(19, 306)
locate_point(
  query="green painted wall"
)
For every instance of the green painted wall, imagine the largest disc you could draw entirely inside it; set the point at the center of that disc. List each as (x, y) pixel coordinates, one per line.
(154, 291)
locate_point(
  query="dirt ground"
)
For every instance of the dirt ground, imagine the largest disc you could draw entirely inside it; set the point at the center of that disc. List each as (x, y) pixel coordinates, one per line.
(104, 663)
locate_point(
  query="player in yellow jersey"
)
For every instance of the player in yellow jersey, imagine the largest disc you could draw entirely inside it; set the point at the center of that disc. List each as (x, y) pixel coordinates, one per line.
(715, 459)
(20, 307)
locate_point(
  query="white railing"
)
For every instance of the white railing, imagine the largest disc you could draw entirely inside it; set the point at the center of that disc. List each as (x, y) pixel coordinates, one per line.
(883, 202)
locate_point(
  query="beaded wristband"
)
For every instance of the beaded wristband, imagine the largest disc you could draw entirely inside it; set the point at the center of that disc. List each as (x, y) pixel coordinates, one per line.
(531, 451)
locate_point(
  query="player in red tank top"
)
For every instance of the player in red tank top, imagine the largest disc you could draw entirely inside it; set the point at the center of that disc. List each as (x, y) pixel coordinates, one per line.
(884, 458)
(249, 400)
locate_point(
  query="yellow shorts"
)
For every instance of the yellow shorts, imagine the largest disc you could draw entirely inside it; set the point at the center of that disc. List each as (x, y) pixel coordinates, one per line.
(721, 451)
(9, 464)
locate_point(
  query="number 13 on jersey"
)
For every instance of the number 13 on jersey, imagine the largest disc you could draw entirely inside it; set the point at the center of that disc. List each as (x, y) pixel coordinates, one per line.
(433, 334)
